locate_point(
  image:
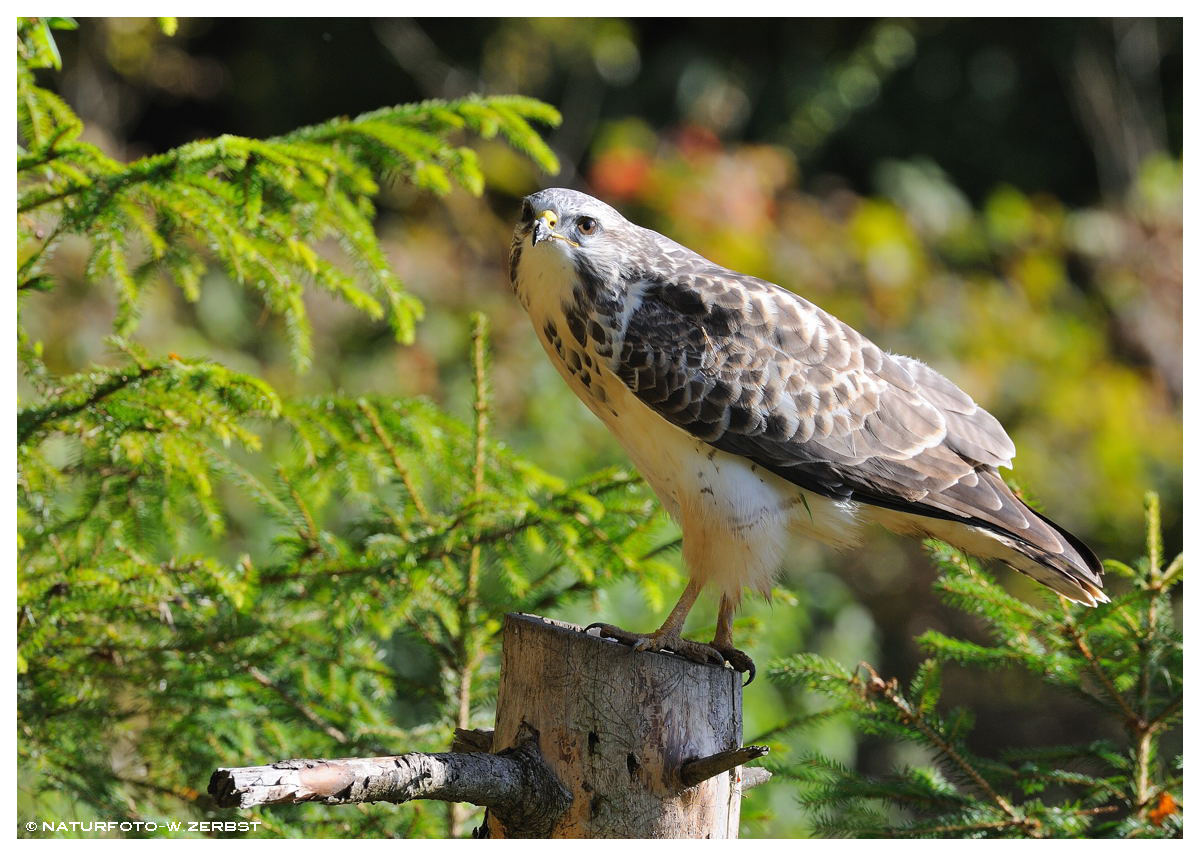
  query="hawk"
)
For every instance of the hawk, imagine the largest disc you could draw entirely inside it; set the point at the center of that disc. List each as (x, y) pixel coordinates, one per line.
(755, 415)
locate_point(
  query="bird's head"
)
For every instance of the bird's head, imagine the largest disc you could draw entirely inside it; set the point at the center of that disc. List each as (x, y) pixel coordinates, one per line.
(564, 231)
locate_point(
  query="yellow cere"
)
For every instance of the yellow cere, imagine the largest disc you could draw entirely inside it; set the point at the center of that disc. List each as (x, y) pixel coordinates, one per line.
(551, 220)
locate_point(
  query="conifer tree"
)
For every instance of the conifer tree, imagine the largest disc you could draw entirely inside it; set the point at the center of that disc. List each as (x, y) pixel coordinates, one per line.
(148, 653)
(1125, 658)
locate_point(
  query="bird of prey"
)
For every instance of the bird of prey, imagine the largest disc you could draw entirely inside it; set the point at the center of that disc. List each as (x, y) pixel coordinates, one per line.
(753, 414)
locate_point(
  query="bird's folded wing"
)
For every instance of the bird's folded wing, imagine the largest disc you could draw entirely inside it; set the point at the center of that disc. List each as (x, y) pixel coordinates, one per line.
(759, 372)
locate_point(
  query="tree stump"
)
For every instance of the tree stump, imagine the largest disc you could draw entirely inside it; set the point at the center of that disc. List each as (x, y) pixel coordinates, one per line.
(592, 740)
(632, 735)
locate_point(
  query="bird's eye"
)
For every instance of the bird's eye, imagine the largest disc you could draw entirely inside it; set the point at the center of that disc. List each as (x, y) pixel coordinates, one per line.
(527, 212)
(587, 225)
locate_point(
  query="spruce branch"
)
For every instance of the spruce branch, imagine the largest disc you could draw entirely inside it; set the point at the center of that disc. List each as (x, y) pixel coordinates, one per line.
(889, 690)
(318, 721)
(258, 206)
(1077, 636)
(1126, 792)
(32, 419)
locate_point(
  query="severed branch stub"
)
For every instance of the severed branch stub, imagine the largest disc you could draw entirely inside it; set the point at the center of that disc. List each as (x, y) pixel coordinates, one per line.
(515, 784)
(695, 772)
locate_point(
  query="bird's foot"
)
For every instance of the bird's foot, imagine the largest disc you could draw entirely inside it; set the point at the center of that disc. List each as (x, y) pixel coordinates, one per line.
(697, 652)
(739, 660)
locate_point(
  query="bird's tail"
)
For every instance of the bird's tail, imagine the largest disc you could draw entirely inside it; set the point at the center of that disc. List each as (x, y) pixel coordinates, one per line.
(1074, 571)
(1044, 551)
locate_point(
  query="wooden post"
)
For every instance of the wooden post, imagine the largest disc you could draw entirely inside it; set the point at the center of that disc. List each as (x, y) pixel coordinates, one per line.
(632, 735)
(592, 740)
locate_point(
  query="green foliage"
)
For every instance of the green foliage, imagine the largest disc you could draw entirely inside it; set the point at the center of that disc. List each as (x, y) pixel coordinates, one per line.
(1125, 658)
(401, 537)
(259, 206)
(159, 639)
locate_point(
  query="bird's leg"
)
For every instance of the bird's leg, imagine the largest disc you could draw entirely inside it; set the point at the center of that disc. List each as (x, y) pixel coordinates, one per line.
(723, 640)
(667, 637)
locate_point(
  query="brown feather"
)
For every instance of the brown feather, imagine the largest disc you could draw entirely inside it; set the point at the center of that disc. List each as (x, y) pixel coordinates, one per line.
(785, 384)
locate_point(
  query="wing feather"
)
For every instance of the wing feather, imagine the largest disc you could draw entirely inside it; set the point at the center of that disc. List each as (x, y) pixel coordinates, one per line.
(760, 372)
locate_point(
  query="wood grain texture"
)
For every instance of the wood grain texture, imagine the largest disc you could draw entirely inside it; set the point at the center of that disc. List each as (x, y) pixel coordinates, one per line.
(616, 727)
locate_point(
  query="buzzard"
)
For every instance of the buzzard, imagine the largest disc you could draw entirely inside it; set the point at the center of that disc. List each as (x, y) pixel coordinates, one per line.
(754, 415)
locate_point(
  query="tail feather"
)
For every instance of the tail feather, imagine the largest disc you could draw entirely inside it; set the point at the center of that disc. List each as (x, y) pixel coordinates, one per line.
(1059, 560)
(1069, 579)
(1042, 549)
(1073, 566)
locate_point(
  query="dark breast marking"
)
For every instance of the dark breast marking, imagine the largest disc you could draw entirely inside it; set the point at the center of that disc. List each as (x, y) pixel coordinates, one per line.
(551, 331)
(598, 333)
(577, 324)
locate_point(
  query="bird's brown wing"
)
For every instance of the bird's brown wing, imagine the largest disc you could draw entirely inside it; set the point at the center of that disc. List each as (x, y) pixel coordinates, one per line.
(759, 372)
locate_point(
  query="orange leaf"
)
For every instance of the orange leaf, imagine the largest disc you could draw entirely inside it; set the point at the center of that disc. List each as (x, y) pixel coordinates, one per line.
(1165, 808)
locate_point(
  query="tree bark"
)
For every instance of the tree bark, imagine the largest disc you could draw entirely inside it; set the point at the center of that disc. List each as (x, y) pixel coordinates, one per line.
(641, 740)
(515, 784)
(592, 740)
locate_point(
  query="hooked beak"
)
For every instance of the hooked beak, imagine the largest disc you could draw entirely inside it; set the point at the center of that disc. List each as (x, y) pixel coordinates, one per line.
(543, 229)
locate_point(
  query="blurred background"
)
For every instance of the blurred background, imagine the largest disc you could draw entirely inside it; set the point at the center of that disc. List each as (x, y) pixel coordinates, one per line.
(1001, 199)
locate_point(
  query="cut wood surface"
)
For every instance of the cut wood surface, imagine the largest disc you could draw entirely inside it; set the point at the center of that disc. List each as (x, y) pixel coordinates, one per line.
(617, 727)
